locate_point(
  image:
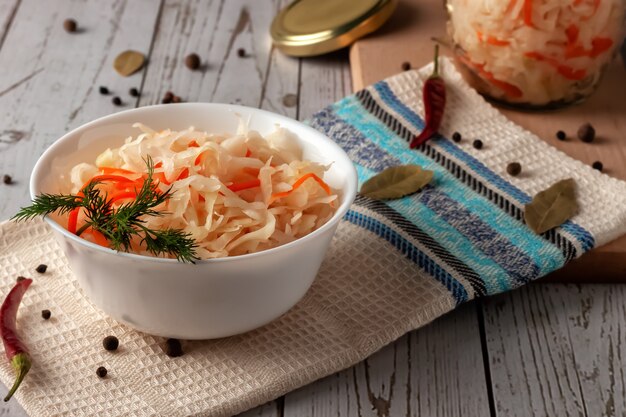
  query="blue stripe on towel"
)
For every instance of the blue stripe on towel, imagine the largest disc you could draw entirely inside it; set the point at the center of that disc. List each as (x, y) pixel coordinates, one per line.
(544, 253)
(583, 236)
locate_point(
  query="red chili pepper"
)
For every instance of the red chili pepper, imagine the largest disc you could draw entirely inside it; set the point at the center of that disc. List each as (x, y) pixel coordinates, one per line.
(434, 94)
(13, 346)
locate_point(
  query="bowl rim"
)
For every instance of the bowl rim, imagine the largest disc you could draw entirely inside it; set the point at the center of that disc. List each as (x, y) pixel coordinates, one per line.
(348, 191)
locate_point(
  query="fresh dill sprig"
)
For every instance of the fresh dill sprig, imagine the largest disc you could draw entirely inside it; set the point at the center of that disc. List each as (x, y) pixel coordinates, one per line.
(48, 203)
(122, 224)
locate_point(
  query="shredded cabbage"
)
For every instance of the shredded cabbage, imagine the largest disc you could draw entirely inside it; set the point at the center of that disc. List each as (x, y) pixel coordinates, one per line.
(537, 51)
(234, 194)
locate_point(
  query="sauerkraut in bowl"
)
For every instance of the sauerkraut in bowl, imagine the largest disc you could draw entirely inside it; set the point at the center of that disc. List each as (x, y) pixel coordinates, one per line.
(233, 194)
(225, 295)
(539, 53)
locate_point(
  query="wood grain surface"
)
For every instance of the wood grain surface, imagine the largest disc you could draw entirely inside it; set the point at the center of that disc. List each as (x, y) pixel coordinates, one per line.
(558, 350)
(407, 38)
(424, 373)
(546, 350)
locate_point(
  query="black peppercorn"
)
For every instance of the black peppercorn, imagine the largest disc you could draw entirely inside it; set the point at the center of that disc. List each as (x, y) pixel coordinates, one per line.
(406, 66)
(103, 90)
(456, 136)
(7, 179)
(290, 100)
(117, 101)
(167, 97)
(173, 348)
(586, 133)
(560, 135)
(241, 52)
(514, 169)
(192, 61)
(133, 92)
(110, 343)
(597, 165)
(70, 25)
(20, 278)
(42, 268)
(45, 314)
(176, 99)
(101, 371)
(478, 144)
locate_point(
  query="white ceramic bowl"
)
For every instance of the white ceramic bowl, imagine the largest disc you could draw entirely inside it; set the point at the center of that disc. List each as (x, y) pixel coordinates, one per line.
(213, 298)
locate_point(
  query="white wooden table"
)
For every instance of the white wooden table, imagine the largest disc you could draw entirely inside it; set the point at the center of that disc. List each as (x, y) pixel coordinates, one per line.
(546, 350)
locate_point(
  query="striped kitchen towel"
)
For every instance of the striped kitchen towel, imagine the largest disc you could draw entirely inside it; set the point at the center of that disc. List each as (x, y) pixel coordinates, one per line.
(466, 228)
(393, 266)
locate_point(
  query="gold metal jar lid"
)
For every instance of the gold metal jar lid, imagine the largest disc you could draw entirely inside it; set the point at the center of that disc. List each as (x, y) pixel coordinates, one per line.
(314, 27)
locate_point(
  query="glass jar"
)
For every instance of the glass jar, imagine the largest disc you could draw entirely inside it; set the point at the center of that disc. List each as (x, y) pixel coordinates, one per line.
(535, 53)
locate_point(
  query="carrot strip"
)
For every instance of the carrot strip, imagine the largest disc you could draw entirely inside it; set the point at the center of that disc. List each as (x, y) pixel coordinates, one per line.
(297, 185)
(527, 12)
(98, 237)
(104, 178)
(565, 70)
(129, 186)
(244, 185)
(160, 177)
(509, 89)
(509, 7)
(111, 170)
(248, 153)
(492, 40)
(72, 220)
(193, 144)
(183, 174)
(571, 73)
(600, 45)
(158, 164)
(123, 195)
(572, 32)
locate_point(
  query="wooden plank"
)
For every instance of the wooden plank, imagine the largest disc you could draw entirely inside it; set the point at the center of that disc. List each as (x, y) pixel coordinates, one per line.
(50, 77)
(214, 30)
(557, 350)
(270, 409)
(279, 93)
(323, 80)
(407, 37)
(435, 371)
(7, 13)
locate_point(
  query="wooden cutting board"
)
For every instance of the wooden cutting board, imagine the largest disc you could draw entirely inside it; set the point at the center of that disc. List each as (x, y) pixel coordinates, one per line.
(407, 38)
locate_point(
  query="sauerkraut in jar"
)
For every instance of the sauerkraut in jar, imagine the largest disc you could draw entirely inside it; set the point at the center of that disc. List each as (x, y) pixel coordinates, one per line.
(535, 53)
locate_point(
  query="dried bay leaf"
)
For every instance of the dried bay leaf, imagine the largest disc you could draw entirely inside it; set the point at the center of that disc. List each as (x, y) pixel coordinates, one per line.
(129, 62)
(396, 182)
(552, 207)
